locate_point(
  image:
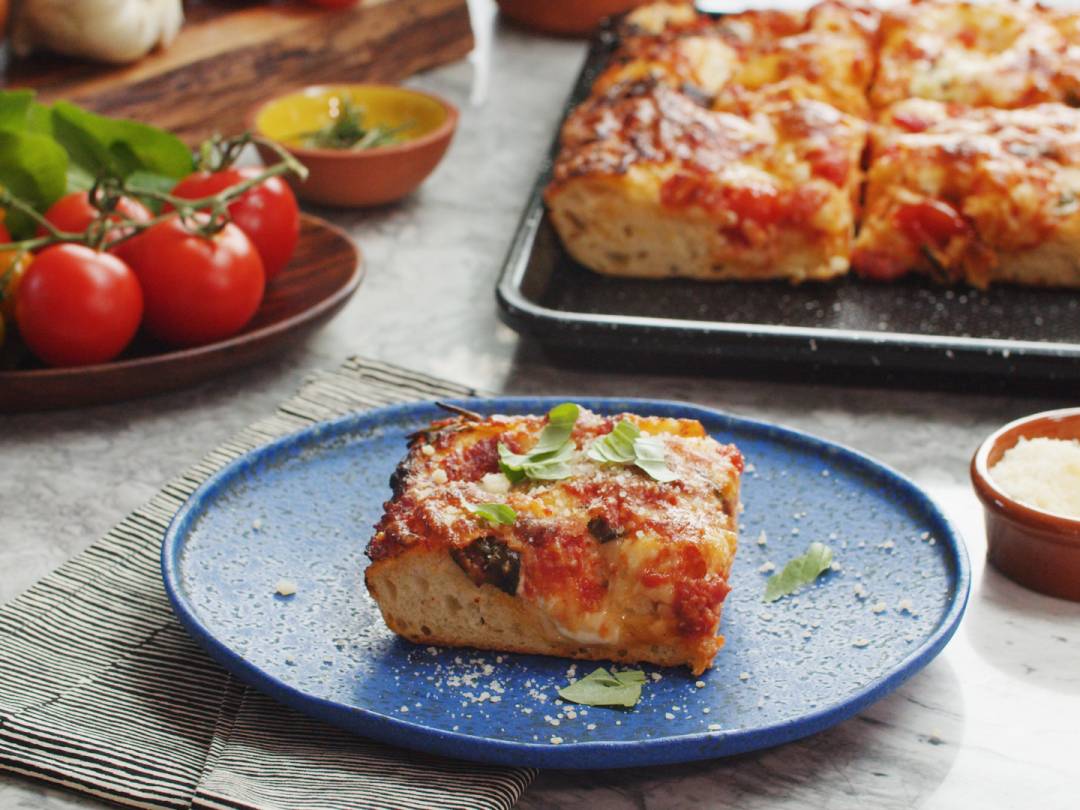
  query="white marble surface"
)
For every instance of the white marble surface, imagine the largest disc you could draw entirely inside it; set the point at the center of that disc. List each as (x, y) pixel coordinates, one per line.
(991, 724)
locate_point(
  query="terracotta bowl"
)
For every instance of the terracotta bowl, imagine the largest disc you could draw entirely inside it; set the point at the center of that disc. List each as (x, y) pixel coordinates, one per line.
(1038, 549)
(564, 17)
(355, 178)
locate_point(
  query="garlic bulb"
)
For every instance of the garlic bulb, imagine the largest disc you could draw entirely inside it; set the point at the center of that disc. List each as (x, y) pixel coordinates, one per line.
(116, 31)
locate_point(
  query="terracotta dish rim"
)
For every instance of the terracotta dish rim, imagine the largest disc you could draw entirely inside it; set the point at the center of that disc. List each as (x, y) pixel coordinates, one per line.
(440, 132)
(1066, 529)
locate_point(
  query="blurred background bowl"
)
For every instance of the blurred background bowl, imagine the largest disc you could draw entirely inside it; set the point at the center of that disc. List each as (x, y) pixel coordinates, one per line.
(359, 177)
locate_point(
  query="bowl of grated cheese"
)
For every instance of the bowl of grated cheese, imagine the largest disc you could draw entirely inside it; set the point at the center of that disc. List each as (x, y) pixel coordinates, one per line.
(1027, 475)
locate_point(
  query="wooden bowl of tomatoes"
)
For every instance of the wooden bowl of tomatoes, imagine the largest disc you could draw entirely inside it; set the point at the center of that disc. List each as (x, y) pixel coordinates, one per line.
(321, 276)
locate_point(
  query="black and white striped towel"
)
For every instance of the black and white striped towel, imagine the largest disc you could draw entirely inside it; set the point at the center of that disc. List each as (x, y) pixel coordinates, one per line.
(103, 692)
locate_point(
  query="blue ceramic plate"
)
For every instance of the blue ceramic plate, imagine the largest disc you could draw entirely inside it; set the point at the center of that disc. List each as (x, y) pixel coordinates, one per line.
(302, 509)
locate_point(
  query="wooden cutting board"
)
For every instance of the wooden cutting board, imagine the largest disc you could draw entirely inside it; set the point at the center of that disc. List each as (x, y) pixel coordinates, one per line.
(232, 55)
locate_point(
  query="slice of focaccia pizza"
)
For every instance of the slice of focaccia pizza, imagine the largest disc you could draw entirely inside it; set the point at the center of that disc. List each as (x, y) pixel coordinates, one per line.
(974, 194)
(650, 184)
(573, 534)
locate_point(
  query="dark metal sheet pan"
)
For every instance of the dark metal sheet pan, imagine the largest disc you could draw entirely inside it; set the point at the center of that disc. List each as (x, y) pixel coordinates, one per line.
(912, 331)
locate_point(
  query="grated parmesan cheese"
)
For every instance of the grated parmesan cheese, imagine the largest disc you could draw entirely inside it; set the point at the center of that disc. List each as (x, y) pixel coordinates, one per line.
(285, 587)
(1044, 473)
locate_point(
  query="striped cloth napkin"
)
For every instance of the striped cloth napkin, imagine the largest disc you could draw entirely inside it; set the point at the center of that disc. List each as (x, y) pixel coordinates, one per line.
(103, 692)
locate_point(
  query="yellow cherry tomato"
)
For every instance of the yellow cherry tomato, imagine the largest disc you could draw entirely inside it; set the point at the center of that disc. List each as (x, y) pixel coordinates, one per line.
(13, 264)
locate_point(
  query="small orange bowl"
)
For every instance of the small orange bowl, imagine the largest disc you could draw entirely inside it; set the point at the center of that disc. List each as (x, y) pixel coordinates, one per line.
(568, 18)
(355, 178)
(1038, 549)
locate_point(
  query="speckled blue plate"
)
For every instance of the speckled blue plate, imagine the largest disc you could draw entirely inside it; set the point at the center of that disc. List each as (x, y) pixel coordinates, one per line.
(302, 509)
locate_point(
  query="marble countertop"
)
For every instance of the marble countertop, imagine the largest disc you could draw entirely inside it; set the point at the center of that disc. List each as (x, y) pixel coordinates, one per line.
(990, 724)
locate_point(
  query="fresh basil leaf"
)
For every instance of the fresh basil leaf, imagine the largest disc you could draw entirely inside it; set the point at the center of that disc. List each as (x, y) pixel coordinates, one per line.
(494, 513)
(549, 459)
(561, 421)
(616, 447)
(14, 109)
(34, 168)
(649, 452)
(545, 467)
(39, 119)
(626, 444)
(799, 571)
(603, 688)
(79, 179)
(117, 146)
(511, 464)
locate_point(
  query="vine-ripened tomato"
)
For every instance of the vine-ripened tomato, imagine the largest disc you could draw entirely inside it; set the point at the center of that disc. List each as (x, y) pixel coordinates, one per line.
(267, 213)
(74, 213)
(197, 289)
(77, 306)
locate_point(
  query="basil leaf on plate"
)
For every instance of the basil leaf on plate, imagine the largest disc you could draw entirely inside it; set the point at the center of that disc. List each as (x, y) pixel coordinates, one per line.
(498, 513)
(603, 688)
(799, 571)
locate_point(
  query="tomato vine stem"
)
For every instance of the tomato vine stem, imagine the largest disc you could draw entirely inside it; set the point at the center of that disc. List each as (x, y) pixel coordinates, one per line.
(204, 217)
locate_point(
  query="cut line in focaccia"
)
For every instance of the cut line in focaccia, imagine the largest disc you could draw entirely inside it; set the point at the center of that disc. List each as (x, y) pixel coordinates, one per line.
(995, 54)
(604, 563)
(974, 194)
(650, 184)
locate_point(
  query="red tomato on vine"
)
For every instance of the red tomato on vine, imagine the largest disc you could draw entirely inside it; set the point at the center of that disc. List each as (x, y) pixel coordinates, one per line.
(267, 213)
(198, 289)
(76, 306)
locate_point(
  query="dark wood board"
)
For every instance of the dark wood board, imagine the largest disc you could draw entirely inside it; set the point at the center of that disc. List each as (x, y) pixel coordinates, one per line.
(324, 272)
(232, 55)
